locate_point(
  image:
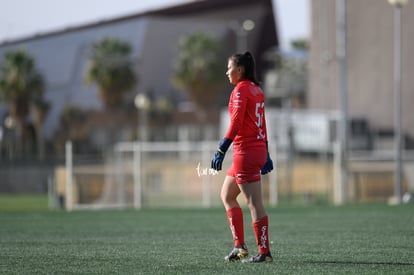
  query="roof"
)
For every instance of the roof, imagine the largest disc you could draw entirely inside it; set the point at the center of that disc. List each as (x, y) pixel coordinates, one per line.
(191, 7)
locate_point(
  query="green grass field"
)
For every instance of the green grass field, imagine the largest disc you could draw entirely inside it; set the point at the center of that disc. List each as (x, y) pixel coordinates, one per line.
(355, 239)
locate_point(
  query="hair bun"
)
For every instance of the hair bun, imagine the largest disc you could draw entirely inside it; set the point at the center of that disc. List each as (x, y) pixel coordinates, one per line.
(248, 54)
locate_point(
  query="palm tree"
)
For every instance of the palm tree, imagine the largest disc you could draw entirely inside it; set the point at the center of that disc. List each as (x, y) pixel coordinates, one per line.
(20, 85)
(199, 70)
(40, 109)
(110, 67)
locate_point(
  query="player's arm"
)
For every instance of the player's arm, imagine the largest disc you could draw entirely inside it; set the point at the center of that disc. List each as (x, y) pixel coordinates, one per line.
(237, 112)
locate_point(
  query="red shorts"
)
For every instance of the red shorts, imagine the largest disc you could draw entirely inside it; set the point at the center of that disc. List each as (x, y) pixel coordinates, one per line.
(247, 164)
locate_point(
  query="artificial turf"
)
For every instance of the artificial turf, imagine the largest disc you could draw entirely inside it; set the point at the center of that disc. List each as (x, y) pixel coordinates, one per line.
(352, 239)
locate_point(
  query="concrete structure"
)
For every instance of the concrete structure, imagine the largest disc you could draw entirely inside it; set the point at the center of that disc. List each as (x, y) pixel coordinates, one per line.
(369, 59)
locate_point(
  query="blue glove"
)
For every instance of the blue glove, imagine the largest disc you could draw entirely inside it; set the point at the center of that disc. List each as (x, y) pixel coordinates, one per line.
(218, 158)
(268, 166)
(217, 161)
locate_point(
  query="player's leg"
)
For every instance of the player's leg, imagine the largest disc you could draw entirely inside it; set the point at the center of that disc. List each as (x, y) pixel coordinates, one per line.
(247, 165)
(260, 222)
(252, 191)
(229, 193)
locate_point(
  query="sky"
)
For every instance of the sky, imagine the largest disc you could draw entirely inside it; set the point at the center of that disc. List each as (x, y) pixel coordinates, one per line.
(23, 18)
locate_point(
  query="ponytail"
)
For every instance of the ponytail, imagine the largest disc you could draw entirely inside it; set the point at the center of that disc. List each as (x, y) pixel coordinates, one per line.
(246, 60)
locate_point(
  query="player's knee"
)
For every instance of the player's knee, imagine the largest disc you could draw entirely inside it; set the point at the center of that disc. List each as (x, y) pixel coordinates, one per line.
(224, 197)
(254, 205)
(250, 205)
(227, 199)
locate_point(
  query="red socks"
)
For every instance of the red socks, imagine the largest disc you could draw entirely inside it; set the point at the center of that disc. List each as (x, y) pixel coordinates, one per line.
(235, 219)
(261, 232)
(260, 229)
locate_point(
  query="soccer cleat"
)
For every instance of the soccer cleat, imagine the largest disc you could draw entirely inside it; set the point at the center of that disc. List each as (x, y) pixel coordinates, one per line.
(237, 253)
(260, 258)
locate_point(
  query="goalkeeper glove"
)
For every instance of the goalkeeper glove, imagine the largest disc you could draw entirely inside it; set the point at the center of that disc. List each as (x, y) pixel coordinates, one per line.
(268, 166)
(218, 158)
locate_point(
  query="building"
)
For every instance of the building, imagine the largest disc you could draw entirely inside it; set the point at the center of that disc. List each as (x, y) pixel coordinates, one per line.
(369, 55)
(62, 55)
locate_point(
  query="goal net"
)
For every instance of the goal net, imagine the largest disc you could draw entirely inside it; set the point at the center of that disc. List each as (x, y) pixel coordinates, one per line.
(150, 174)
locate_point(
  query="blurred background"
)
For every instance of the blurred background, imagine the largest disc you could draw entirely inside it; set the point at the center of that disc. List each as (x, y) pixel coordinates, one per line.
(119, 104)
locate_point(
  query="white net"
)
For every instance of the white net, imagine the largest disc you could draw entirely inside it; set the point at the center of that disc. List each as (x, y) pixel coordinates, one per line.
(170, 174)
(156, 174)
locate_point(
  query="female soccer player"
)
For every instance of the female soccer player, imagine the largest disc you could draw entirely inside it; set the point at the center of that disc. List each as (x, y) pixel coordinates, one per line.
(247, 132)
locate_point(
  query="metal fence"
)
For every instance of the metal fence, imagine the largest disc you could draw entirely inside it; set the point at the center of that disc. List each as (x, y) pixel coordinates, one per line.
(303, 146)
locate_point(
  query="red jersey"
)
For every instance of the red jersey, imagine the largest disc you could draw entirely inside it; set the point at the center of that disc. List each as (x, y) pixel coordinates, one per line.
(247, 116)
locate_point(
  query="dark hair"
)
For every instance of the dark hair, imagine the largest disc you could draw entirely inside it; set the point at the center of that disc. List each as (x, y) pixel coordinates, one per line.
(246, 60)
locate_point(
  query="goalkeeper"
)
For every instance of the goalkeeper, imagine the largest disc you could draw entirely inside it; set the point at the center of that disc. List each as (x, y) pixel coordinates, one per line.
(247, 132)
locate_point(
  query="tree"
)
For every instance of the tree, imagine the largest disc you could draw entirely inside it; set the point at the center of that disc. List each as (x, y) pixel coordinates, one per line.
(20, 85)
(72, 127)
(40, 109)
(199, 70)
(110, 67)
(301, 44)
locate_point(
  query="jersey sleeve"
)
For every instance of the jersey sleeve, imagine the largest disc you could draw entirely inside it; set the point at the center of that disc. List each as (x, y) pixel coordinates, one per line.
(237, 109)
